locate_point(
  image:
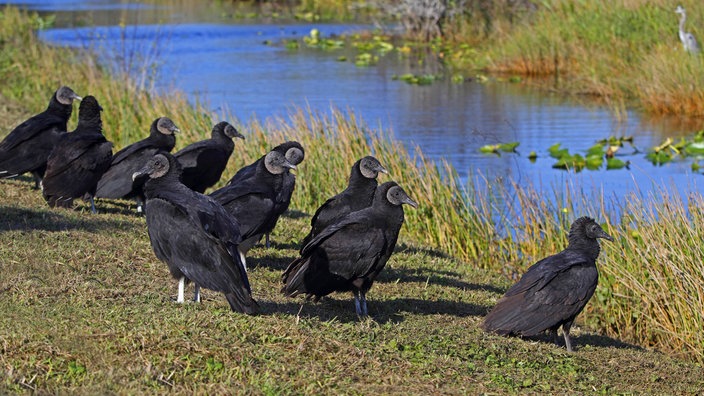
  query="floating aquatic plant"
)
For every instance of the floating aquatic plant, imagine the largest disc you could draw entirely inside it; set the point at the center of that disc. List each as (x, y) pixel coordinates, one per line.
(416, 79)
(498, 148)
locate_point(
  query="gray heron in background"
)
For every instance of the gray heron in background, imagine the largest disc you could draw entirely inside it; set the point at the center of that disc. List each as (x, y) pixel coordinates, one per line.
(688, 41)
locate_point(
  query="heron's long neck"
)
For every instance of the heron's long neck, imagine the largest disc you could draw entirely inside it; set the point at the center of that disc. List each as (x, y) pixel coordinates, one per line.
(682, 19)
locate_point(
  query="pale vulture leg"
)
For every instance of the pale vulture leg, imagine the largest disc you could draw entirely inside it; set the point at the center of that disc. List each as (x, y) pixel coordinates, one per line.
(181, 287)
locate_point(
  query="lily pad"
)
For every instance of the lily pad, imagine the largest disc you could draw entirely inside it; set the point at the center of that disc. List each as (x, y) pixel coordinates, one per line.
(615, 163)
(557, 152)
(509, 147)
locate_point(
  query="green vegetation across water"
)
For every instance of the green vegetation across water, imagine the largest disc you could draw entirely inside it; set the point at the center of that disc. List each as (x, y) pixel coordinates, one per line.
(623, 52)
(88, 308)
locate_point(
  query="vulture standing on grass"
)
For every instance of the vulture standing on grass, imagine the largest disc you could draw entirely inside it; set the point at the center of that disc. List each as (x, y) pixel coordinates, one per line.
(203, 162)
(358, 195)
(294, 153)
(28, 146)
(350, 253)
(117, 181)
(554, 290)
(193, 235)
(78, 160)
(253, 201)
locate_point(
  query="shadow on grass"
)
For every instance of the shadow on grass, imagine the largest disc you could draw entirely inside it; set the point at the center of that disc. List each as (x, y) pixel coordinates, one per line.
(21, 219)
(583, 340)
(272, 263)
(408, 249)
(380, 311)
(433, 276)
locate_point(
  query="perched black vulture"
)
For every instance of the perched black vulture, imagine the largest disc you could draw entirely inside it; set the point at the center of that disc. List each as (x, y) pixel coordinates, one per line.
(78, 160)
(253, 201)
(350, 253)
(193, 235)
(294, 154)
(28, 146)
(358, 195)
(203, 162)
(554, 290)
(117, 181)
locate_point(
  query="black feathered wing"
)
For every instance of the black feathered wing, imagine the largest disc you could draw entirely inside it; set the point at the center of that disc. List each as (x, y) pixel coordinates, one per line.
(346, 255)
(188, 156)
(552, 292)
(117, 181)
(193, 242)
(28, 146)
(73, 169)
(44, 122)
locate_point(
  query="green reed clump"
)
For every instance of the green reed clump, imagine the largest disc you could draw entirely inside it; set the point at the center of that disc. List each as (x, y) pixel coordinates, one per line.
(651, 283)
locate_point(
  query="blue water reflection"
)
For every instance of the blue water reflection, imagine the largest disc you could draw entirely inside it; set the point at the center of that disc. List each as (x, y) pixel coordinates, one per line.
(243, 68)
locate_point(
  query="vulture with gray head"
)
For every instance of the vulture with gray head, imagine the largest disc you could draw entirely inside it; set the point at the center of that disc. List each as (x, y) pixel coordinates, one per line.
(554, 290)
(350, 253)
(294, 153)
(27, 147)
(253, 201)
(203, 162)
(193, 235)
(358, 195)
(117, 181)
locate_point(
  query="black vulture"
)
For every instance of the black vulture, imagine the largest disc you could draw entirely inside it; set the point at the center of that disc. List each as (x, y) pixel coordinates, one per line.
(350, 253)
(193, 235)
(203, 162)
(78, 160)
(28, 146)
(294, 154)
(117, 181)
(253, 201)
(554, 290)
(358, 195)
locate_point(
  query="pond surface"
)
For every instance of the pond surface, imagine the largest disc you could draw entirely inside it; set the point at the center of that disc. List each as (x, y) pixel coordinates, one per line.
(199, 50)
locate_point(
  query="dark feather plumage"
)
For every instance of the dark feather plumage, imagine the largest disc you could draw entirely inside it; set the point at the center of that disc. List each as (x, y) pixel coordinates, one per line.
(554, 290)
(27, 147)
(78, 160)
(253, 201)
(117, 181)
(203, 162)
(358, 195)
(349, 254)
(294, 153)
(193, 234)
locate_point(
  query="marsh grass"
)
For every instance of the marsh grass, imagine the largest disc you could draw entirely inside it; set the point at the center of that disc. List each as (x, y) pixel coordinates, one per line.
(621, 50)
(647, 294)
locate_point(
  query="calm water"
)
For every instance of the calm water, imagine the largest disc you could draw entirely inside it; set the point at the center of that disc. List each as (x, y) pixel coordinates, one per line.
(199, 51)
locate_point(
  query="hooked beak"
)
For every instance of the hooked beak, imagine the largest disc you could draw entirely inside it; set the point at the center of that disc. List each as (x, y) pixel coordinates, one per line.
(409, 201)
(78, 98)
(606, 236)
(381, 169)
(136, 175)
(140, 173)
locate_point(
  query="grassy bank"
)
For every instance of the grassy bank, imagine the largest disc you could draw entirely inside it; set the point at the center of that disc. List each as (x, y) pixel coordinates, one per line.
(71, 265)
(88, 309)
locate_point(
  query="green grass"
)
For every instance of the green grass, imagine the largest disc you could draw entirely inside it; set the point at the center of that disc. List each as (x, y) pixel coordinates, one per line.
(81, 268)
(87, 308)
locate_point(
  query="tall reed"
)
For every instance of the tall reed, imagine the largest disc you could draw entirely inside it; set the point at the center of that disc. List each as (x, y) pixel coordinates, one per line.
(652, 277)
